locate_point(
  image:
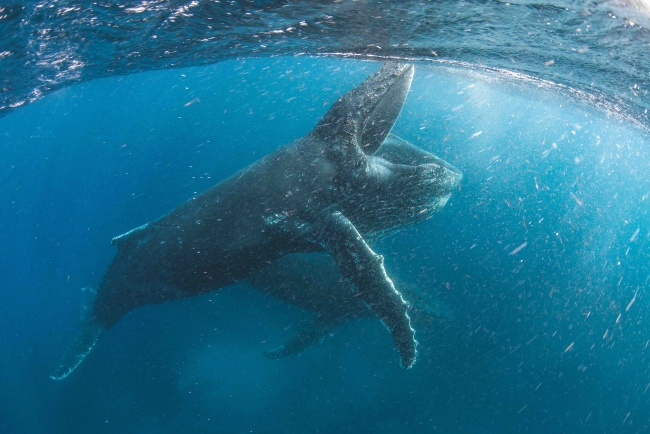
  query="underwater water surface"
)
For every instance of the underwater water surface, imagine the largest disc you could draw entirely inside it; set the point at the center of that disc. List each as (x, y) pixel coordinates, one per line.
(540, 254)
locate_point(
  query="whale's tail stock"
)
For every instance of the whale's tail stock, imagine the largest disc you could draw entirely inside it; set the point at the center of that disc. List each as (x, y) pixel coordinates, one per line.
(87, 335)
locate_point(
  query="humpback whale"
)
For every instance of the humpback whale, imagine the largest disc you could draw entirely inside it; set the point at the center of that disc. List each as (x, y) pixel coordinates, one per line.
(327, 191)
(313, 282)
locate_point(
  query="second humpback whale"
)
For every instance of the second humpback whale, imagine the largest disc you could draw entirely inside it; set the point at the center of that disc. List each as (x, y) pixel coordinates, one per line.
(327, 191)
(312, 281)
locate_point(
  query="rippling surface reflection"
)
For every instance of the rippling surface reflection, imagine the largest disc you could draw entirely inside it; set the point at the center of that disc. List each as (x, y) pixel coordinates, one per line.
(597, 47)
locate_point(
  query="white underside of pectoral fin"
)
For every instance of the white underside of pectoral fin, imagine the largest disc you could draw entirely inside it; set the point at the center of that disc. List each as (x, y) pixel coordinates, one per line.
(365, 272)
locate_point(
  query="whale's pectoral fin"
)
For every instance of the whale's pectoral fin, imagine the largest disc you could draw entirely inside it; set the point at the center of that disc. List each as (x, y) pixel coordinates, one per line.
(84, 341)
(309, 335)
(357, 124)
(364, 270)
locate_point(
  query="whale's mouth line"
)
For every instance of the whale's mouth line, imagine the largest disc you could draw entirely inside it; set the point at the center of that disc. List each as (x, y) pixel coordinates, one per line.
(439, 162)
(408, 157)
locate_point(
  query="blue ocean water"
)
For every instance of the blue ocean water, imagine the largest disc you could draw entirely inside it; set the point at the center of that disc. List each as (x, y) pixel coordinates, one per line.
(540, 255)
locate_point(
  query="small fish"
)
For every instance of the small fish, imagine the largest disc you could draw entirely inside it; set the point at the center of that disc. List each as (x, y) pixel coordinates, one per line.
(514, 252)
(187, 104)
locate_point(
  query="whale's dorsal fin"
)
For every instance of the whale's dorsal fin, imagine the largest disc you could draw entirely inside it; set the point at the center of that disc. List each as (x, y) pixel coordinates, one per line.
(125, 237)
(360, 120)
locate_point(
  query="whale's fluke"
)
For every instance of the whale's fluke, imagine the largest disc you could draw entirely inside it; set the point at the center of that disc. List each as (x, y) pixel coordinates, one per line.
(84, 341)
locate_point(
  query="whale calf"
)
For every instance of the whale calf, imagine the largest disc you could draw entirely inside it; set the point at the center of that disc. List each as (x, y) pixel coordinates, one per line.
(313, 282)
(327, 191)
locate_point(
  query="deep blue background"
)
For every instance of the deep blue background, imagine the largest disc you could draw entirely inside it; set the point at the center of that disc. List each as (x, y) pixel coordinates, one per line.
(543, 341)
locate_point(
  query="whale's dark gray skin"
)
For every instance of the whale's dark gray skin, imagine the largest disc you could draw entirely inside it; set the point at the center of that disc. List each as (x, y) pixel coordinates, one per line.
(324, 192)
(313, 282)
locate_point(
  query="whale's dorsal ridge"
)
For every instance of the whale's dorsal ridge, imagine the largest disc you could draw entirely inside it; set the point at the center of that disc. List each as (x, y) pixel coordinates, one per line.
(121, 239)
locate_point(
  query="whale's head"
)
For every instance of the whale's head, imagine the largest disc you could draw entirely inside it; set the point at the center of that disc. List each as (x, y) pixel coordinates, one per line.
(384, 183)
(404, 185)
